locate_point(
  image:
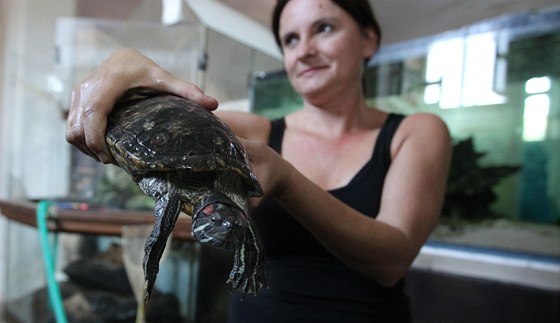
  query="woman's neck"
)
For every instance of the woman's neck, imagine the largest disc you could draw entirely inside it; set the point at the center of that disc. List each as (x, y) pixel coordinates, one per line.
(337, 117)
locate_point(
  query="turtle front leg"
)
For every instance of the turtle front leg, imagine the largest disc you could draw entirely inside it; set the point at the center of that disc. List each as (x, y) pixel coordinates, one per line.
(166, 212)
(247, 274)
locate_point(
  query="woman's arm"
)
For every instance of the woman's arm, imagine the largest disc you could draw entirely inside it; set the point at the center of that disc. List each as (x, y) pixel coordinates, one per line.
(381, 248)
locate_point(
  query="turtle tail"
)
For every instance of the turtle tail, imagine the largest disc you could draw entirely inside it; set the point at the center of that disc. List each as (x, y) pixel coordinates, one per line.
(166, 212)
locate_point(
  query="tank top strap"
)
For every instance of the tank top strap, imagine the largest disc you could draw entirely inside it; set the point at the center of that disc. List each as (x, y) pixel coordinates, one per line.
(382, 150)
(278, 126)
(382, 147)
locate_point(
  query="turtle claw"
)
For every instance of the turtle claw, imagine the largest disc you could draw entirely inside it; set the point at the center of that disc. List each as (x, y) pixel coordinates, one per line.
(247, 275)
(146, 293)
(250, 284)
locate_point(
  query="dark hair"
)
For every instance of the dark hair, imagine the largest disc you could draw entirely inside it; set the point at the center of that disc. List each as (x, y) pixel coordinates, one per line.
(360, 10)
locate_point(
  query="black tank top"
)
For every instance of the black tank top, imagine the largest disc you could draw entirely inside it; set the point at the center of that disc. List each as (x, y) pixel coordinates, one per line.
(306, 282)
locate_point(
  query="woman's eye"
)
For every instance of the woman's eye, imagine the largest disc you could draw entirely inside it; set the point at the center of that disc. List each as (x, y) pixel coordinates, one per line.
(325, 28)
(290, 40)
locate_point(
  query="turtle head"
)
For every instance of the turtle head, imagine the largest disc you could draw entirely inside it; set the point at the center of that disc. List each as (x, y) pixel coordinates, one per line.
(219, 222)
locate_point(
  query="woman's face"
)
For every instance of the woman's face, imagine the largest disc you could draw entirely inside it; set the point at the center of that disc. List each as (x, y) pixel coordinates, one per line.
(324, 48)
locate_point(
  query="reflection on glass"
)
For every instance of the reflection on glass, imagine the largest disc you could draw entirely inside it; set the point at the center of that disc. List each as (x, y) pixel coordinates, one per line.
(537, 85)
(464, 69)
(480, 59)
(445, 64)
(535, 116)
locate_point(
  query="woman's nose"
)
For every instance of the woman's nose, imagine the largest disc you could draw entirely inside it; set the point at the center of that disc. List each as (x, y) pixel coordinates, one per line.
(306, 48)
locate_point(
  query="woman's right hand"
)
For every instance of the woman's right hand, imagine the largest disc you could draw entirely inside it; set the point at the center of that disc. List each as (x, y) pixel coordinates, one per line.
(94, 98)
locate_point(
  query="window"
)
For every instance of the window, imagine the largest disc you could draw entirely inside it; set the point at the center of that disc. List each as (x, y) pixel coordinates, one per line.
(460, 72)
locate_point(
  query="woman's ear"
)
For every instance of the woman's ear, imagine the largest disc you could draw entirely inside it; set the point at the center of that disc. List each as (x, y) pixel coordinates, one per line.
(370, 41)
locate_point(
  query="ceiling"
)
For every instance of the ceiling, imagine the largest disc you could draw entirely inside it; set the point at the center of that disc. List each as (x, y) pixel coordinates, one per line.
(407, 19)
(259, 10)
(400, 19)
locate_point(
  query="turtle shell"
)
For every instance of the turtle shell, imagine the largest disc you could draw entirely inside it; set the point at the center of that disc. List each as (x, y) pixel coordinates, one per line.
(168, 133)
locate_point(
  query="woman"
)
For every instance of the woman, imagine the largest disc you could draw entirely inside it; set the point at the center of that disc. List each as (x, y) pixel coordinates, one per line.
(351, 192)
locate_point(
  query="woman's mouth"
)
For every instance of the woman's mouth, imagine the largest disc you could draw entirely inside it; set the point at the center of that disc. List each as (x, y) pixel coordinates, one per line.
(310, 71)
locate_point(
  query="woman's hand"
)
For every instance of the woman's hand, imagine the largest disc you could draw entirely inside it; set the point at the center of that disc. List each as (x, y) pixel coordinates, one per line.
(94, 98)
(272, 171)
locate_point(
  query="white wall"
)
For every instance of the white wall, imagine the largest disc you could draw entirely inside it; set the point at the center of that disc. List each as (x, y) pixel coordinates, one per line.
(36, 157)
(9, 14)
(32, 161)
(3, 25)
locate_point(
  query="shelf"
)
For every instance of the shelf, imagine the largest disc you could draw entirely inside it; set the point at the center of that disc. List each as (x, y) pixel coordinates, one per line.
(96, 222)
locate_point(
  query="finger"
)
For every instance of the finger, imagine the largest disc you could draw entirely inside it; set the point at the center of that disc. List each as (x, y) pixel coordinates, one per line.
(94, 126)
(254, 202)
(197, 95)
(167, 82)
(90, 119)
(80, 145)
(74, 130)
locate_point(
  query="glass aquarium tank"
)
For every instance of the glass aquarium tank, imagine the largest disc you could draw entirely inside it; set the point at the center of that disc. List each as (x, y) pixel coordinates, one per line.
(497, 86)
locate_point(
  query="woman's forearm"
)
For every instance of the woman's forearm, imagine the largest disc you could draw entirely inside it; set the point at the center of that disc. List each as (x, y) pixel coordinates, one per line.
(374, 248)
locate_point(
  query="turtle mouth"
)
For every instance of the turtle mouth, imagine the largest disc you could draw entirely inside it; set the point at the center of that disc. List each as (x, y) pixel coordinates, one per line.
(218, 224)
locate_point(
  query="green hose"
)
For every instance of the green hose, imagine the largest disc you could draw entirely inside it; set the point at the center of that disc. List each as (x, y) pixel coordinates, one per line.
(49, 258)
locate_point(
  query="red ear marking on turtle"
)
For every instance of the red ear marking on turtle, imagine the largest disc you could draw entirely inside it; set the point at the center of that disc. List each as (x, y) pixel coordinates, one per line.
(208, 209)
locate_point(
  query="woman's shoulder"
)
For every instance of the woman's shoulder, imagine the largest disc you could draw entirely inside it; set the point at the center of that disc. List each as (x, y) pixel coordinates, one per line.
(424, 123)
(422, 130)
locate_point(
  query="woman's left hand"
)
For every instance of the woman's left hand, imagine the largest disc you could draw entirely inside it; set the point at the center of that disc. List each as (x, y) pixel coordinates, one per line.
(271, 169)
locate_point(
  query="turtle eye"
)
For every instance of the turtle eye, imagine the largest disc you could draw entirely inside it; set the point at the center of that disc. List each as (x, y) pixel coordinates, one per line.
(216, 219)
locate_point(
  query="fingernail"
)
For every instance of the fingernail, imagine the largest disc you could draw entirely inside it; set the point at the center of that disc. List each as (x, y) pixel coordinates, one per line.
(103, 157)
(212, 100)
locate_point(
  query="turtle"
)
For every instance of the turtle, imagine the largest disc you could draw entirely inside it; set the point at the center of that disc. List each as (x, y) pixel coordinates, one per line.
(187, 159)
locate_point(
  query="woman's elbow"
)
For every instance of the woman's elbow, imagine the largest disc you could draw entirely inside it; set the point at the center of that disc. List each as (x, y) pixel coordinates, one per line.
(390, 279)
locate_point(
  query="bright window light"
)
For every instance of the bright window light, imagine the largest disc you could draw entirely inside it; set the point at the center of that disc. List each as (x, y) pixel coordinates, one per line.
(432, 93)
(537, 85)
(480, 62)
(463, 68)
(535, 116)
(444, 66)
